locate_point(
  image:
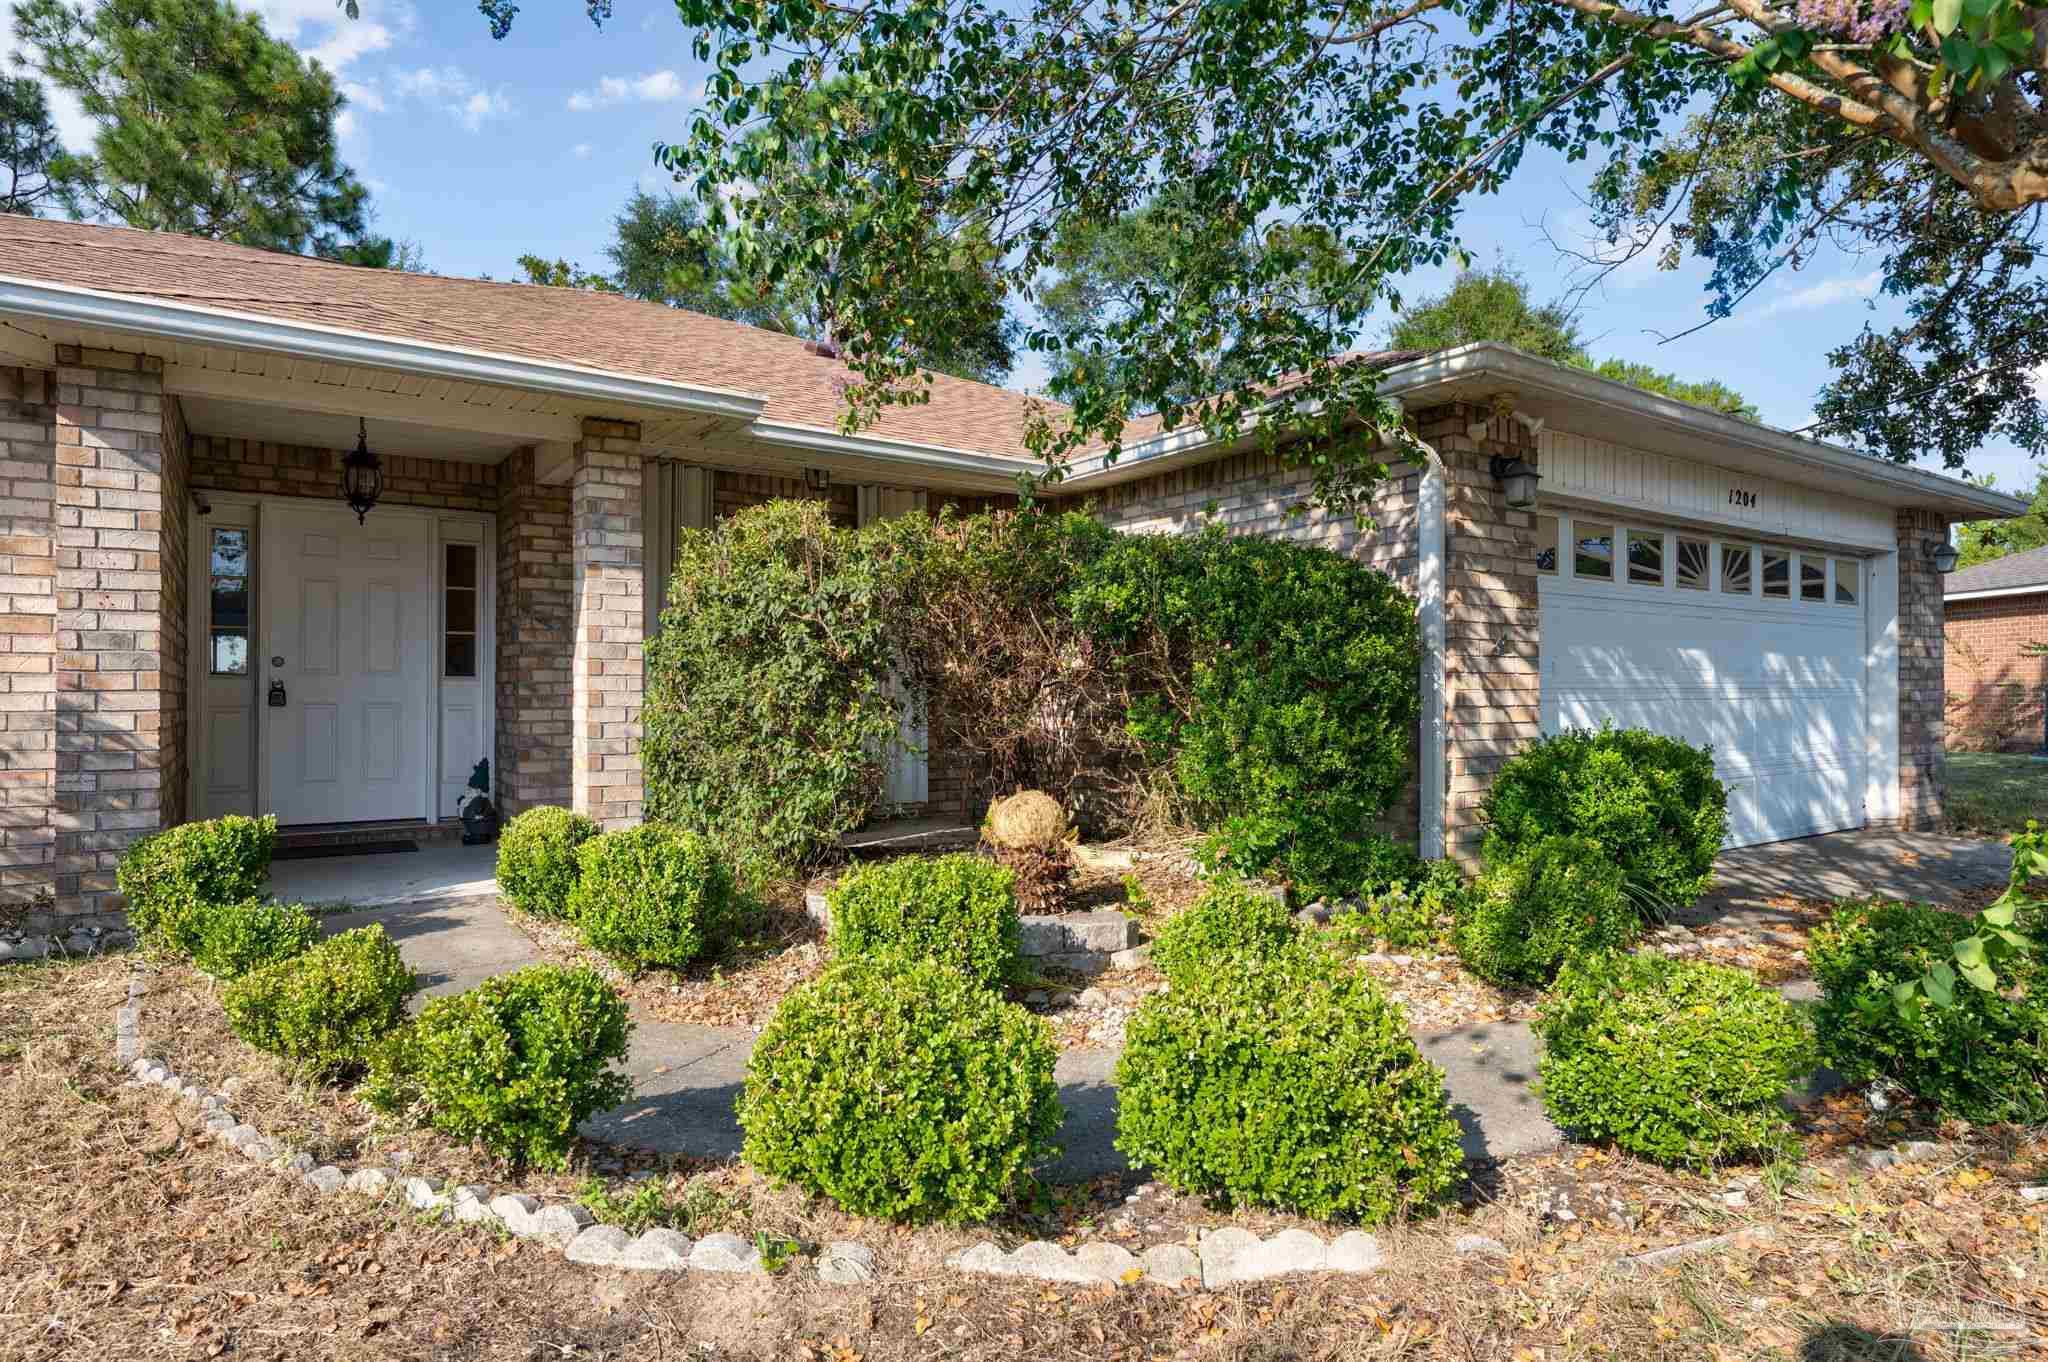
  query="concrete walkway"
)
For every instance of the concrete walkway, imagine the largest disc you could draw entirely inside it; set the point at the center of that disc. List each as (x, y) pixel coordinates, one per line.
(687, 1077)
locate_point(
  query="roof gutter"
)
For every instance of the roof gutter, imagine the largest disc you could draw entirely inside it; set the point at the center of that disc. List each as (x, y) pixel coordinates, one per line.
(936, 458)
(211, 326)
(1993, 592)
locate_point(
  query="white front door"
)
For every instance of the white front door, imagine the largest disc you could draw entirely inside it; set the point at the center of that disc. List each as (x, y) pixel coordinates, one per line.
(346, 658)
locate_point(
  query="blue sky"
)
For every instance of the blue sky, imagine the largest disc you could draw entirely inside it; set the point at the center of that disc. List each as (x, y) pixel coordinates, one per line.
(482, 150)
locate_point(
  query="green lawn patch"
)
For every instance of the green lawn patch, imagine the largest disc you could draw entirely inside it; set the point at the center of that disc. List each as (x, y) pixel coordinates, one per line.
(1996, 792)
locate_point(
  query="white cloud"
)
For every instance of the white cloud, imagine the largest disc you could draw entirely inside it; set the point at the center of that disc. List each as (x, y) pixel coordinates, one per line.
(1826, 293)
(481, 105)
(324, 32)
(361, 96)
(656, 87)
(451, 89)
(581, 151)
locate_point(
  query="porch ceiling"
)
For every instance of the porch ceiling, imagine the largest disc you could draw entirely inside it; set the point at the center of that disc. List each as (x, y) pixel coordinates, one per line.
(331, 430)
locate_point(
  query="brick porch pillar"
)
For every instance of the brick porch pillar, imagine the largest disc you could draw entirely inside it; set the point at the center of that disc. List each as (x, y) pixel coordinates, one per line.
(536, 633)
(1923, 783)
(28, 644)
(607, 529)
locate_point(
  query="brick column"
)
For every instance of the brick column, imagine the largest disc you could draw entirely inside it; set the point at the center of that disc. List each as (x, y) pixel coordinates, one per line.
(28, 638)
(112, 719)
(1492, 622)
(1923, 784)
(536, 594)
(607, 529)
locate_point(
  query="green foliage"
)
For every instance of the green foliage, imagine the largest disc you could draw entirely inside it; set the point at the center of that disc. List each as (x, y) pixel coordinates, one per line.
(958, 910)
(1286, 1081)
(903, 1089)
(1996, 944)
(651, 895)
(1229, 921)
(1981, 1054)
(537, 866)
(560, 273)
(168, 877)
(234, 938)
(1678, 1061)
(323, 1011)
(1488, 305)
(1709, 393)
(1652, 803)
(1983, 541)
(1404, 900)
(206, 123)
(28, 143)
(1301, 699)
(516, 1063)
(1557, 898)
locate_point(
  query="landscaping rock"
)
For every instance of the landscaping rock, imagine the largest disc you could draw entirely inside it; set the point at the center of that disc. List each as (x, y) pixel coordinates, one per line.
(423, 1194)
(327, 1179)
(1221, 1252)
(844, 1263)
(218, 1121)
(1092, 997)
(2034, 1193)
(1879, 1159)
(370, 1182)
(984, 1258)
(1131, 958)
(257, 1150)
(300, 1163)
(599, 1246)
(1353, 1251)
(234, 1137)
(1171, 1265)
(1099, 933)
(1287, 1252)
(562, 1222)
(1047, 1263)
(515, 1212)
(1920, 1151)
(818, 910)
(1105, 858)
(1077, 962)
(1479, 1243)
(659, 1250)
(725, 1253)
(1104, 1262)
(468, 1204)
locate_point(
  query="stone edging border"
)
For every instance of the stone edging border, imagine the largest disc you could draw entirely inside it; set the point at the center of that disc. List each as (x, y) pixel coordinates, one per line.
(77, 941)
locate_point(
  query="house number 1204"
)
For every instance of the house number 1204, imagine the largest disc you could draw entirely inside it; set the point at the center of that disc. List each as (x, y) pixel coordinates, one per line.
(1738, 497)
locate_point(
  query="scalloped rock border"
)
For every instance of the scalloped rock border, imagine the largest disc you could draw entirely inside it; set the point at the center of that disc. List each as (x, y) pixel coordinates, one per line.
(565, 1226)
(77, 941)
(1222, 1257)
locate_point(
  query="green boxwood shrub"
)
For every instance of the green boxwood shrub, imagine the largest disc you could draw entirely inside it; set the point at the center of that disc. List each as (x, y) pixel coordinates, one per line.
(234, 938)
(167, 875)
(1983, 1058)
(1653, 804)
(537, 858)
(959, 910)
(516, 1063)
(1418, 909)
(1286, 1081)
(651, 895)
(901, 1088)
(323, 1011)
(1678, 1061)
(1557, 898)
(1230, 919)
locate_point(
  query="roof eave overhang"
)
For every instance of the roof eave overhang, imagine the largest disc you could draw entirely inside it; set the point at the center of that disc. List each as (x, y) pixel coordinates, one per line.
(154, 318)
(1994, 592)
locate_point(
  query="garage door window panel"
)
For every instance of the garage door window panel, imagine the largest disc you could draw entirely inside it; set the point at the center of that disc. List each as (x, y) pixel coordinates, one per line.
(1593, 552)
(1693, 560)
(1645, 558)
(1777, 575)
(1847, 581)
(1737, 569)
(1813, 578)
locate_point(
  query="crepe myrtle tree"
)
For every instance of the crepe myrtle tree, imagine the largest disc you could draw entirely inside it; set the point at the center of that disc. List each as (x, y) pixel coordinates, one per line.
(1366, 123)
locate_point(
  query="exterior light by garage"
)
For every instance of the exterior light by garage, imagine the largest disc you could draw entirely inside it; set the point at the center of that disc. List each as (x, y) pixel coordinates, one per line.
(817, 479)
(1942, 554)
(362, 475)
(1519, 480)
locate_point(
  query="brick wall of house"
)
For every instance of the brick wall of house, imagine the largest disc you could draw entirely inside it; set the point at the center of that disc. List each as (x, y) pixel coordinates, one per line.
(1994, 691)
(176, 546)
(733, 492)
(607, 528)
(28, 643)
(111, 714)
(1923, 785)
(536, 637)
(224, 464)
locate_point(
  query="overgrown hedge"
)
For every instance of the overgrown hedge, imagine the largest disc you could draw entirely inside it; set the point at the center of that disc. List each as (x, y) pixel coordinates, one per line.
(1261, 690)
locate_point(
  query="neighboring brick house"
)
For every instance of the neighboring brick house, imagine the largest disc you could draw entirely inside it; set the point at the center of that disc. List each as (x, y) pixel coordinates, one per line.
(1995, 689)
(191, 623)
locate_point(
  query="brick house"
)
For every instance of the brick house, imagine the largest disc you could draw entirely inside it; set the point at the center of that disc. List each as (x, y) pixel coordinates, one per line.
(191, 623)
(1995, 691)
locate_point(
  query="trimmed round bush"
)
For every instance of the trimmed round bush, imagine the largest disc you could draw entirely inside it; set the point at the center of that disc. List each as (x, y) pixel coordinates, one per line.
(1652, 803)
(901, 1088)
(1678, 1061)
(169, 876)
(234, 938)
(1231, 919)
(651, 895)
(537, 858)
(516, 1063)
(1984, 1057)
(1286, 1081)
(959, 910)
(323, 1010)
(1559, 898)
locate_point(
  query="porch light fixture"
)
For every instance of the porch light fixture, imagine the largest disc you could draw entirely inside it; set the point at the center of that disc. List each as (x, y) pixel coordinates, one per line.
(362, 475)
(1518, 479)
(1942, 554)
(817, 479)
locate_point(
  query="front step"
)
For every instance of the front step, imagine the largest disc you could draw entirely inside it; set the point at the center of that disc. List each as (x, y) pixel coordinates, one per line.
(304, 835)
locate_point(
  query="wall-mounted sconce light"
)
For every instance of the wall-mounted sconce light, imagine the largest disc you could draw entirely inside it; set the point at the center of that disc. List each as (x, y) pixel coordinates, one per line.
(817, 479)
(1518, 479)
(1942, 554)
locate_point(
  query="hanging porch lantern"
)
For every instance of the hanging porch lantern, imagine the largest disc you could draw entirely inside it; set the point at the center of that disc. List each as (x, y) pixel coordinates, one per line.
(362, 475)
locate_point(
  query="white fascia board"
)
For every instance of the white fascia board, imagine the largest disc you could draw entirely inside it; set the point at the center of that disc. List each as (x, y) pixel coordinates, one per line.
(935, 458)
(211, 326)
(1992, 593)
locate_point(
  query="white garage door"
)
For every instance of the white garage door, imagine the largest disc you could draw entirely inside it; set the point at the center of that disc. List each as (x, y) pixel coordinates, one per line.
(1755, 649)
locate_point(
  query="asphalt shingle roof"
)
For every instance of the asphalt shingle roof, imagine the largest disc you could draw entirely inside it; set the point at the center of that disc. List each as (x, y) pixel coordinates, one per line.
(2001, 574)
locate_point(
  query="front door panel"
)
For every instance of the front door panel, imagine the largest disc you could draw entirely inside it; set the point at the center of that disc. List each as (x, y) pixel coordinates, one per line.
(346, 654)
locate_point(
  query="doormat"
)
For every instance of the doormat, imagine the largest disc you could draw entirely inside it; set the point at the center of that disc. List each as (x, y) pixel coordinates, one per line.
(345, 849)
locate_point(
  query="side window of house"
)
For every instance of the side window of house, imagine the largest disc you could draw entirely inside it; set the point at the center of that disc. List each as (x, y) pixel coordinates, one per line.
(458, 612)
(228, 602)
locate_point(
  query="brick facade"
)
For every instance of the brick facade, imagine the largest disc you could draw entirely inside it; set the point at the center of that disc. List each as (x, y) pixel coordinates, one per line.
(1923, 785)
(28, 645)
(265, 468)
(1994, 691)
(536, 632)
(607, 530)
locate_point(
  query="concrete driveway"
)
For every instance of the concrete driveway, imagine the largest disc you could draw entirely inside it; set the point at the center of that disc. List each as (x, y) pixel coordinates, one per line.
(1920, 867)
